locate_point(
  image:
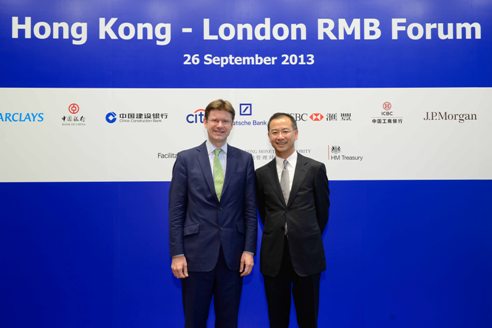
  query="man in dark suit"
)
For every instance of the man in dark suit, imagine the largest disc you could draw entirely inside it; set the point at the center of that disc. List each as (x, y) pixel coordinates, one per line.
(293, 201)
(212, 221)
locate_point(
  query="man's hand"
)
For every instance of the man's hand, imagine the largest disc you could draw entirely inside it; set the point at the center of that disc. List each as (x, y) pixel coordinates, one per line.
(179, 267)
(247, 263)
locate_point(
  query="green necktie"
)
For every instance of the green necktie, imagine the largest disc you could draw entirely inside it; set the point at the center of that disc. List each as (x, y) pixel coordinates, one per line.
(218, 173)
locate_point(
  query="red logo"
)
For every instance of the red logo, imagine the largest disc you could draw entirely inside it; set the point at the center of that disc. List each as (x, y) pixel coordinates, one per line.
(387, 105)
(316, 116)
(73, 108)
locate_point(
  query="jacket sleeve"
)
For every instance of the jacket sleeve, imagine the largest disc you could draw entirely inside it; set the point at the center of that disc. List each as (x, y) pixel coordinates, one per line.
(250, 216)
(260, 199)
(322, 196)
(177, 206)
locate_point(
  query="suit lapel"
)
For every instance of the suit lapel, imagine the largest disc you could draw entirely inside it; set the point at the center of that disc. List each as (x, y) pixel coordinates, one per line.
(299, 175)
(273, 177)
(204, 161)
(231, 167)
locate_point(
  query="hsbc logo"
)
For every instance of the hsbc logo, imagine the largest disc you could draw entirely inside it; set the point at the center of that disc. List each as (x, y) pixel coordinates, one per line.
(316, 117)
(303, 117)
(299, 116)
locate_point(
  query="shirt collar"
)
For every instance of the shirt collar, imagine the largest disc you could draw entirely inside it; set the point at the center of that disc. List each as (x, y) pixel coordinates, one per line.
(211, 148)
(292, 159)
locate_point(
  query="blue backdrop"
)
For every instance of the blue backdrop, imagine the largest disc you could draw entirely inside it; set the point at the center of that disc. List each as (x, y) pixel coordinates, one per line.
(400, 254)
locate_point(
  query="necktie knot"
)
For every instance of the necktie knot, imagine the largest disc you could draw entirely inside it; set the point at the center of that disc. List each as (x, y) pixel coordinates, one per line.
(217, 152)
(286, 162)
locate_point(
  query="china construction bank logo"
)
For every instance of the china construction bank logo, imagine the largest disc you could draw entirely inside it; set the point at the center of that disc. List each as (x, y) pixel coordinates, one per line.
(387, 115)
(73, 117)
(111, 117)
(138, 118)
(21, 117)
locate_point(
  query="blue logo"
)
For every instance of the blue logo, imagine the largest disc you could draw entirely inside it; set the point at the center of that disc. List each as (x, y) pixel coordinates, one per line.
(245, 109)
(196, 117)
(111, 117)
(22, 117)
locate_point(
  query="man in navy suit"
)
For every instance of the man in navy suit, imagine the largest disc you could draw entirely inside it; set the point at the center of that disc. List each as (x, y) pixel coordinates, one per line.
(212, 221)
(293, 201)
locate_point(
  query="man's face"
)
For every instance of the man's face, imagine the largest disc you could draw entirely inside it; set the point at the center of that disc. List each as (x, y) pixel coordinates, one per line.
(282, 136)
(218, 125)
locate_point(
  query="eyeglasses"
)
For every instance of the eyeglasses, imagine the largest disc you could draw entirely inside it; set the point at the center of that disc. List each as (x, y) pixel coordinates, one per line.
(284, 132)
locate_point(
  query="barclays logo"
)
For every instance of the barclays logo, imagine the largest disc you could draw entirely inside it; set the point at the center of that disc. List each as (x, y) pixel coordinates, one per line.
(21, 117)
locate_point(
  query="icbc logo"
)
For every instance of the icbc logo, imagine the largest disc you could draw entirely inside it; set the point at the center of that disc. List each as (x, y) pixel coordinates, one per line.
(73, 108)
(196, 117)
(387, 107)
(316, 117)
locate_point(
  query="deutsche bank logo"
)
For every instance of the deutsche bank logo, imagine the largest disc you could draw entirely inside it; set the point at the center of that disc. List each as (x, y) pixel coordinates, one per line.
(111, 117)
(245, 109)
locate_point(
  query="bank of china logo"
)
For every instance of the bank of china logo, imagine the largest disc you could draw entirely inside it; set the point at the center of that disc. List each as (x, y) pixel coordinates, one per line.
(111, 117)
(72, 119)
(73, 108)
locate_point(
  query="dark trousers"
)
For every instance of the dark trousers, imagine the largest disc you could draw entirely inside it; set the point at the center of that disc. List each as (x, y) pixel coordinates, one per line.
(304, 289)
(223, 285)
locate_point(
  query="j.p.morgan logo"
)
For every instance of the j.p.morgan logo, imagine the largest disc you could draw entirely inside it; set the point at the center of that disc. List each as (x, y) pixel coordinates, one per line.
(445, 116)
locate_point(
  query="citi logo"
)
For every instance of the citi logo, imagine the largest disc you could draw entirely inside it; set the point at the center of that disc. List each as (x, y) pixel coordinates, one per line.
(196, 117)
(316, 117)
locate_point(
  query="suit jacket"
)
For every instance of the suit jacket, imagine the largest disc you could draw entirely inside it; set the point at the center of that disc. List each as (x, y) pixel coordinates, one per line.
(199, 224)
(306, 215)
